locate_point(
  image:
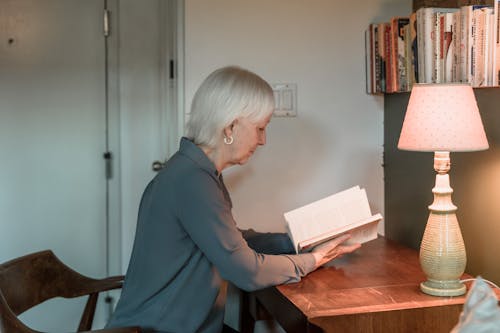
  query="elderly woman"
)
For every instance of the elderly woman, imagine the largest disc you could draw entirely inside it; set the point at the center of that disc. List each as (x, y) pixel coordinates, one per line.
(187, 242)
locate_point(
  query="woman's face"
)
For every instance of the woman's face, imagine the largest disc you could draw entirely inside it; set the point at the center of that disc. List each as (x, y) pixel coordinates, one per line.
(247, 135)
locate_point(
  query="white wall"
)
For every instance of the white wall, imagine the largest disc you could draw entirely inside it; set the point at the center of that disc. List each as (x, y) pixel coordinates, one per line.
(336, 140)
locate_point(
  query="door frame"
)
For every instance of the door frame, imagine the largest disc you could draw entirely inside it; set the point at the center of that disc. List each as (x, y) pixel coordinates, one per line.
(124, 192)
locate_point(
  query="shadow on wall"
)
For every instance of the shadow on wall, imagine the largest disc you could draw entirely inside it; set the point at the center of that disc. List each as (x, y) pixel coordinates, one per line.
(361, 163)
(476, 184)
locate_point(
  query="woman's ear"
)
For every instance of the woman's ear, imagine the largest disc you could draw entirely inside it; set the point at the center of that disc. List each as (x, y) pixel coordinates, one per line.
(228, 130)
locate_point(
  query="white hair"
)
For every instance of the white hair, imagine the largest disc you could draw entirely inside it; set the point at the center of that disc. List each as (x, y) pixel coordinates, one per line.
(225, 95)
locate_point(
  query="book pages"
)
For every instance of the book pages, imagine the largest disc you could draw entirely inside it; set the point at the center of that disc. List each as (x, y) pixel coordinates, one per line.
(332, 216)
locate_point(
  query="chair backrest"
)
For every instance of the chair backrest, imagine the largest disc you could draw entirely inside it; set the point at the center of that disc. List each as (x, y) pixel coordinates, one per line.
(32, 279)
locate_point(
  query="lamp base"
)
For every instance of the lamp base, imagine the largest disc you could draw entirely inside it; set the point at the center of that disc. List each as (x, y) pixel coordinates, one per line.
(443, 288)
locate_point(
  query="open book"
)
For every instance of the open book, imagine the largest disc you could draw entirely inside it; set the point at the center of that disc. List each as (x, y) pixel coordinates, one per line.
(347, 211)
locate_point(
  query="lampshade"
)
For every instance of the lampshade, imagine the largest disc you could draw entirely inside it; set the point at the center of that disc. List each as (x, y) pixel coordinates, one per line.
(442, 117)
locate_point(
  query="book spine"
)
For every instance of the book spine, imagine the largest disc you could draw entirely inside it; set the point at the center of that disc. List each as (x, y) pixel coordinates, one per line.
(428, 43)
(473, 53)
(478, 46)
(372, 58)
(378, 61)
(401, 72)
(407, 56)
(441, 42)
(488, 33)
(367, 62)
(456, 30)
(382, 56)
(414, 49)
(437, 39)
(447, 47)
(420, 45)
(496, 43)
(389, 84)
(465, 43)
(394, 54)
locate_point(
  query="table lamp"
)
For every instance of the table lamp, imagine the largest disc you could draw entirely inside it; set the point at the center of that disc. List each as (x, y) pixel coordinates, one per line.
(442, 118)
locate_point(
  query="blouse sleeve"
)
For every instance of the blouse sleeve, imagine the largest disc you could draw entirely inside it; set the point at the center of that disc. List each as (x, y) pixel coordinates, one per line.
(268, 242)
(206, 216)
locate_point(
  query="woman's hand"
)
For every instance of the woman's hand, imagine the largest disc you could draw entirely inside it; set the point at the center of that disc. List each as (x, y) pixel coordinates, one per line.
(332, 249)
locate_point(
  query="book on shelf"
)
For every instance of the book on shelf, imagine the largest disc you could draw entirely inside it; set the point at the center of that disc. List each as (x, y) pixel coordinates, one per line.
(465, 42)
(492, 46)
(376, 61)
(456, 47)
(430, 37)
(436, 36)
(447, 49)
(377, 57)
(496, 43)
(480, 46)
(382, 56)
(424, 42)
(413, 50)
(344, 212)
(399, 30)
(368, 62)
(389, 67)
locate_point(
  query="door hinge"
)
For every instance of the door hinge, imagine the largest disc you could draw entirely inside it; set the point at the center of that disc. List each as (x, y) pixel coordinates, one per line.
(108, 160)
(106, 23)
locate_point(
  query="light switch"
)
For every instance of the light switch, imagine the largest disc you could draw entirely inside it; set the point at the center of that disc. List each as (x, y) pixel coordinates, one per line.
(285, 99)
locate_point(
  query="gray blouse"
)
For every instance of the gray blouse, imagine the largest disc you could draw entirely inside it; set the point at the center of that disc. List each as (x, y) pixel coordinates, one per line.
(187, 243)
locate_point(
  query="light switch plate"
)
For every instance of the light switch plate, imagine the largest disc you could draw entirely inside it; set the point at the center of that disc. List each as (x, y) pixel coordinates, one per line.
(285, 99)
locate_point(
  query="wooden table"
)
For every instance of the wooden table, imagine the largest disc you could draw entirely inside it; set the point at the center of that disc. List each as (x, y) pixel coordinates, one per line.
(375, 289)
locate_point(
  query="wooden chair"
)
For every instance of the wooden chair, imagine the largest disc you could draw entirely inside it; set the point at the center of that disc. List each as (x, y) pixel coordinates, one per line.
(32, 279)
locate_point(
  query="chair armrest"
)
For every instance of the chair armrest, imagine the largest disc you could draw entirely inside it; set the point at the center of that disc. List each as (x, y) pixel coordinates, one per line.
(131, 329)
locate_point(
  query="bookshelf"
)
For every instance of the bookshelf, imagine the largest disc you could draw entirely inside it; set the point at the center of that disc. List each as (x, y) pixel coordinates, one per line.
(439, 42)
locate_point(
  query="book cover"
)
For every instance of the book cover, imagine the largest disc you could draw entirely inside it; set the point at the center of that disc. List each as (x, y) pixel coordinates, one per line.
(465, 43)
(456, 45)
(381, 31)
(414, 50)
(408, 58)
(368, 61)
(436, 38)
(377, 80)
(447, 47)
(399, 68)
(389, 82)
(478, 50)
(426, 43)
(347, 211)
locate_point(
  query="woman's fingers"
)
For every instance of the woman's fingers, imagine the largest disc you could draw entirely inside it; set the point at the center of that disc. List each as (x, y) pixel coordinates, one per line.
(333, 243)
(333, 249)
